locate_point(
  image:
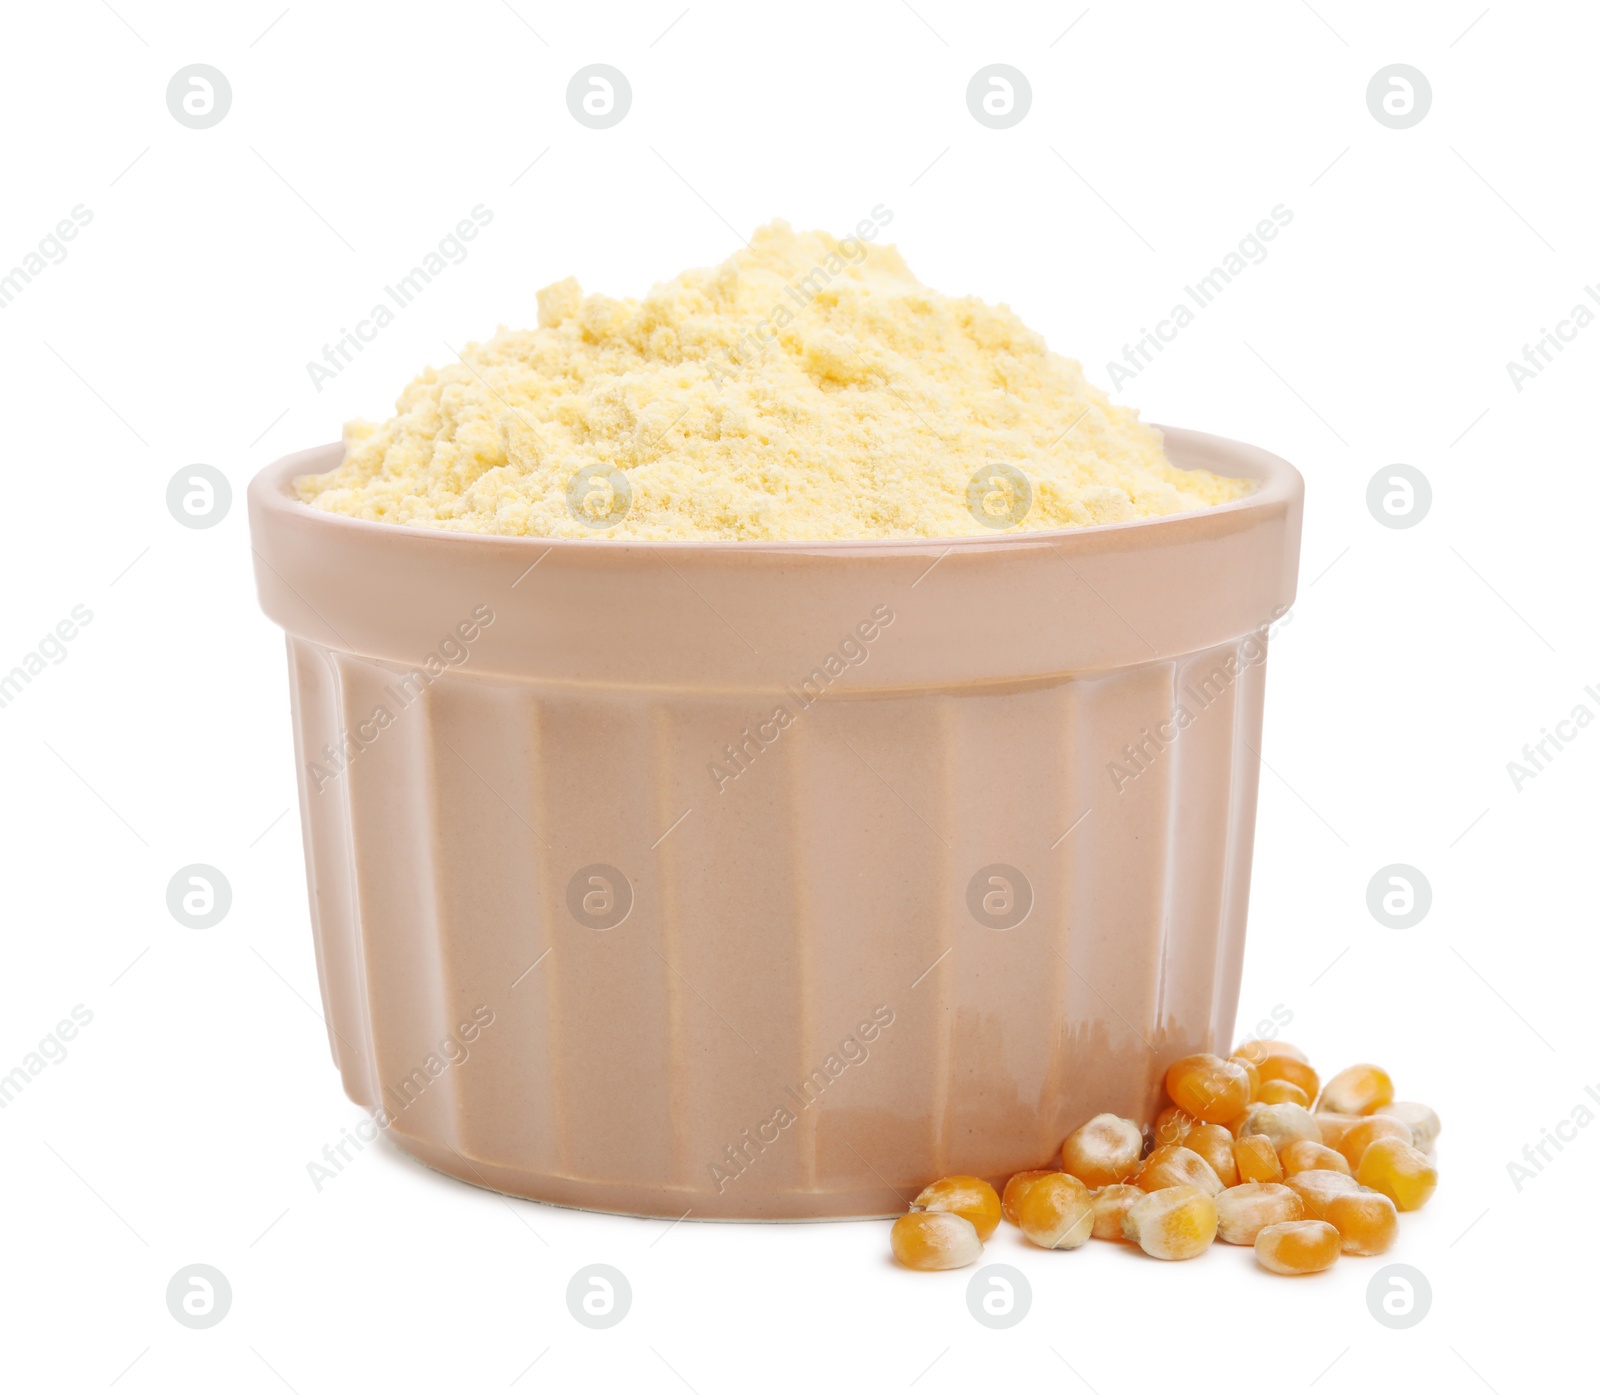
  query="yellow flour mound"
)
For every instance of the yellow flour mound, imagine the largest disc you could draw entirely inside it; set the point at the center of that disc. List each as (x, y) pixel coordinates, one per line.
(807, 388)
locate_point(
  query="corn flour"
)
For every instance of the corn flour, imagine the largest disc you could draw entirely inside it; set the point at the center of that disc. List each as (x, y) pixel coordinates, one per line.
(807, 388)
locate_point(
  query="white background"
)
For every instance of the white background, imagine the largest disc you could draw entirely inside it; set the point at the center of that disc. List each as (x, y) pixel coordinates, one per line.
(1417, 663)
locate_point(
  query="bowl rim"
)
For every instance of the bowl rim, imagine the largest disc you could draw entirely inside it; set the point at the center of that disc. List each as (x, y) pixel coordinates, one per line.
(1278, 484)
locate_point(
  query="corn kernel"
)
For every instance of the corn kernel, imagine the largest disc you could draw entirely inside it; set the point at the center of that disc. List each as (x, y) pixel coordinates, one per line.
(1358, 1090)
(1317, 1188)
(1257, 1159)
(1359, 1137)
(1303, 1155)
(1297, 1247)
(1215, 1144)
(1283, 1092)
(1103, 1151)
(1258, 1051)
(1282, 1123)
(1111, 1204)
(1211, 1089)
(1056, 1212)
(1242, 1211)
(1173, 1223)
(934, 1240)
(971, 1197)
(1335, 1126)
(1422, 1121)
(1017, 1188)
(1290, 1068)
(1173, 1125)
(1174, 1165)
(1367, 1221)
(1399, 1171)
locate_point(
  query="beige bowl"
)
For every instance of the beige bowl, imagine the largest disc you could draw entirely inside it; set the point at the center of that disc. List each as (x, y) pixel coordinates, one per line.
(773, 880)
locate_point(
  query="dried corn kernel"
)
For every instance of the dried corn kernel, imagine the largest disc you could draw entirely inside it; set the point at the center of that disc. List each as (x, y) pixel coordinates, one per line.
(1359, 1137)
(1422, 1121)
(1282, 1123)
(1056, 1212)
(1367, 1221)
(971, 1197)
(1303, 1155)
(1257, 1159)
(1358, 1090)
(1173, 1125)
(1173, 1223)
(1173, 1165)
(1017, 1188)
(934, 1240)
(1103, 1151)
(1111, 1204)
(1258, 1051)
(1297, 1247)
(1215, 1144)
(1317, 1188)
(1283, 1092)
(1242, 1211)
(1290, 1068)
(1211, 1089)
(1335, 1126)
(1399, 1171)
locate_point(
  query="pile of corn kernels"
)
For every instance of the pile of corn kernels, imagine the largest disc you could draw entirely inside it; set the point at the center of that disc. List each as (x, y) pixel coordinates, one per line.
(1239, 1155)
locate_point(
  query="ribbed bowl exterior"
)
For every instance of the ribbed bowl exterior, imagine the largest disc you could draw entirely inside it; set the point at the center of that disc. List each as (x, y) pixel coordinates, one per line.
(808, 1009)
